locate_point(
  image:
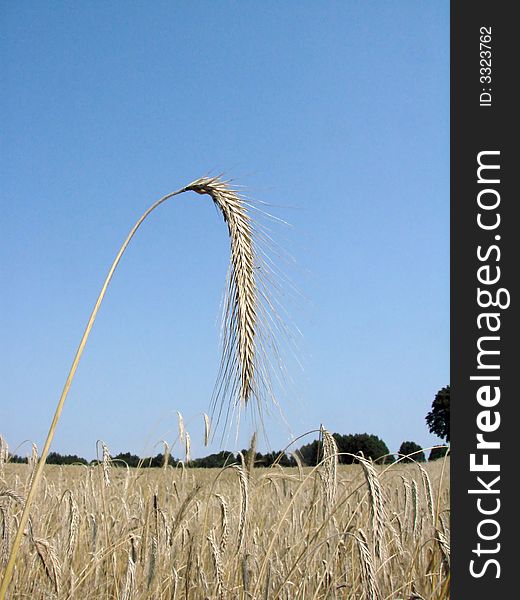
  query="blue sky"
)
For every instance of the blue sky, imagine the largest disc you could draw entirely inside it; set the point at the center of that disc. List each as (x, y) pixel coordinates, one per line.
(336, 113)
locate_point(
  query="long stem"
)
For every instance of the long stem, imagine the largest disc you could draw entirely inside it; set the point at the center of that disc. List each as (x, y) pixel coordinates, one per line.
(39, 469)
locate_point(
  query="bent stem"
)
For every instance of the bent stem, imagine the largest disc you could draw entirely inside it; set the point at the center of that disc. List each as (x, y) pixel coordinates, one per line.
(39, 469)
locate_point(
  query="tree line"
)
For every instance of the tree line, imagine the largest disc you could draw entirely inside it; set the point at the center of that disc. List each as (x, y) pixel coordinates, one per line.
(349, 448)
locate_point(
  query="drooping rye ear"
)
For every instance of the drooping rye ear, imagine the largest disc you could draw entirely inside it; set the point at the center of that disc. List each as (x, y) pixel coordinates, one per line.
(239, 360)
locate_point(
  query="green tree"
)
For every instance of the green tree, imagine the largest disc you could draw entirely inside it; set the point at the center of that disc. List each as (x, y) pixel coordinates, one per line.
(414, 449)
(214, 461)
(370, 445)
(438, 452)
(438, 419)
(54, 458)
(269, 458)
(311, 453)
(132, 460)
(14, 458)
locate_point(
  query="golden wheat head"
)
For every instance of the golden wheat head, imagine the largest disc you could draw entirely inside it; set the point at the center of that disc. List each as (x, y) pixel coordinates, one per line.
(239, 367)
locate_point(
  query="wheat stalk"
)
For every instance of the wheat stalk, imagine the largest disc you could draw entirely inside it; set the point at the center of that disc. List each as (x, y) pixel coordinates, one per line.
(249, 462)
(330, 466)
(187, 448)
(166, 458)
(32, 462)
(242, 375)
(444, 545)
(377, 505)
(181, 426)
(73, 525)
(6, 493)
(368, 572)
(207, 428)
(6, 533)
(224, 523)
(244, 503)
(238, 365)
(49, 560)
(244, 369)
(4, 454)
(128, 589)
(415, 505)
(217, 563)
(106, 464)
(428, 491)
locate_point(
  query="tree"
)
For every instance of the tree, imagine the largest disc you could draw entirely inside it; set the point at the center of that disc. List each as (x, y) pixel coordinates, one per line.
(414, 449)
(54, 458)
(370, 445)
(214, 461)
(438, 452)
(438, 419)
(125, 458)
(280, 458)
(14, 458)
(311, 453)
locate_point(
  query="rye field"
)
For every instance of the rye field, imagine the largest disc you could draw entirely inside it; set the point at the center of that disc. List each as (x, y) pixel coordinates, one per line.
(360, 531)
(108, 531)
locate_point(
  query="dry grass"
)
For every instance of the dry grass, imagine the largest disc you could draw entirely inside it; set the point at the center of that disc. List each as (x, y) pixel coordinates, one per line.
(272, 534)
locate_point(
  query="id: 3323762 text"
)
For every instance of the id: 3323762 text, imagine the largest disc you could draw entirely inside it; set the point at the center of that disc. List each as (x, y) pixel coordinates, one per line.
(485, 66)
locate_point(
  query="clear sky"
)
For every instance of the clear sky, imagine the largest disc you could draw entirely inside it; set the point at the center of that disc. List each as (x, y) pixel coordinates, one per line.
(336, 113)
